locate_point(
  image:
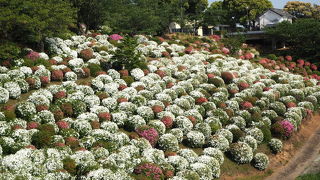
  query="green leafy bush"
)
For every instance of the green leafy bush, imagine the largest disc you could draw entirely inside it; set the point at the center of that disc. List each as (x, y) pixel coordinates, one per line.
(126, 55)
(9, 51)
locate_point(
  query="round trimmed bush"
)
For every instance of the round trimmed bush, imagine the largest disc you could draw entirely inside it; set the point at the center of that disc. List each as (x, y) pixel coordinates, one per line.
(215, 153)
(219, 142)
(195, 139)
(26, 109)
(275, 145)
(168, 142)
(260, 161)
(241, 152)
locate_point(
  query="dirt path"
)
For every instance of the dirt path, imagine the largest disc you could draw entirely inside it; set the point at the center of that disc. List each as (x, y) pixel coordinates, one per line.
(303, 158)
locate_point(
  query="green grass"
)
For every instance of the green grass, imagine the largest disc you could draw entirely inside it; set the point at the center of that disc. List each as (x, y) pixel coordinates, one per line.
(309, 177)
(230, 168)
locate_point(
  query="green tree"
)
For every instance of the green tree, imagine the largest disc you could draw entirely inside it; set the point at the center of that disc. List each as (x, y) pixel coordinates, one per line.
(302, 9)
(246, 10)
(91, 12)
(295, 36)
(29, 21)
(215, 14)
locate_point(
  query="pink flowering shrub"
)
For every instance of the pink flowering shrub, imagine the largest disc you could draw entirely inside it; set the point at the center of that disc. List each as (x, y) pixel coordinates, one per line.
(283, 129)
(33, 55)
(215, 37)
(249, 56)
(149, 133)
(288, 58)
(32, 125)
(57, 75)
(225, 50)
(115, 37)
(150, 170)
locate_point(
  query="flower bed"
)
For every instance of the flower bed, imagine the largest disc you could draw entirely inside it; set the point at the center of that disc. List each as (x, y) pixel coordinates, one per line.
(130, 124)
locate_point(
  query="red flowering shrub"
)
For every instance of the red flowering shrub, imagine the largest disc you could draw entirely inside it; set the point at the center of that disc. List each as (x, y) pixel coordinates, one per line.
(227, 77)
(31, 81)
(73, 142)
(44, 80)
(192, 119)
(168, 174)
(167, 121)
(243, 85)
(52, 62)
(288, 58)
(32, 125)
(60, 95)
(188, 50)
(124, 72)
(246, 105)
(210, 76)
(157, 109)
(86, 71)
(31, 147)
(15, 127)
(170, 153)
(65, 70)
(63, 124)
(122, 87)
(150, 170)
(104, 116)
(161, 73)
(201, 100)
(67, 109)
(267, 88)
(100, 73)
(165, 54)
(86, 54)
(169, 85)
(58, 114)
(59, 144)
(34, 68)
(145, 72)
(249, 56)
(149, 133)
(120, 100)
(291, 104)
(42, 108)
(57, 75)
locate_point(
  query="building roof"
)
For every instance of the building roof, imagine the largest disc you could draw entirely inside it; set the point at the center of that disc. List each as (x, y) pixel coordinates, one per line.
(280, 12)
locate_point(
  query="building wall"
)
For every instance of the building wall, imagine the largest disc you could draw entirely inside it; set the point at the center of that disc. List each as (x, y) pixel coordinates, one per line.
(270, 18)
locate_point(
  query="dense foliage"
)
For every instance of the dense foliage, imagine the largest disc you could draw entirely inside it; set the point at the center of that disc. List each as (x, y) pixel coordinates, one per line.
(295, 35)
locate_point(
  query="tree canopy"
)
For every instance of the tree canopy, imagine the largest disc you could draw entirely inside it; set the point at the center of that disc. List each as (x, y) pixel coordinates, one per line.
(302, 36)
(29, 21)
(302, 9)
(246, 10)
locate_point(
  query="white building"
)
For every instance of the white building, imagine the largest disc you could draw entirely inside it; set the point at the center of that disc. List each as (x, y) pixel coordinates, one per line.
(272, 17)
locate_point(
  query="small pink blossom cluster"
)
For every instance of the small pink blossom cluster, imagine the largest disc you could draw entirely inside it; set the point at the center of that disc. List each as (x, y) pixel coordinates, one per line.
(150, 170)
(149, 133)
(33, 55)
(201, 100)
(115, 37)
(287, 127)
(225, 50)
(62, 124)
(215, 37)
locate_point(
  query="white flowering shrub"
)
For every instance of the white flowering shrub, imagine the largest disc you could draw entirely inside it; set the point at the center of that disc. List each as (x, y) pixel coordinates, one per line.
(184, 124)
(189, 154)
(158, 125)
(260, 161)
(13, 89)
(215, 153)
(178, 133)
(250, 140)
(178, 162)
(212, 162)
(241, 152)
(203, 170)
(219, 142)
(256, 133)
(4, 95)
(168, 142)
(275, 145)
(25, 109)
(195, 139)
